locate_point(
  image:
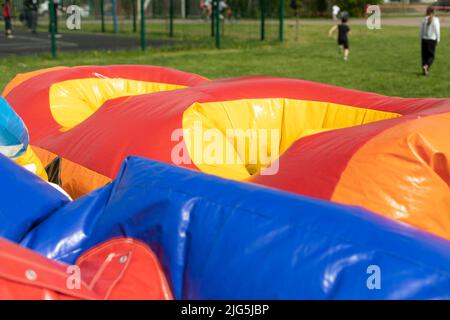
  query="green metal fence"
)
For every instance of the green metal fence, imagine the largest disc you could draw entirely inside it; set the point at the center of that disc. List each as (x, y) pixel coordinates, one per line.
(147, 23)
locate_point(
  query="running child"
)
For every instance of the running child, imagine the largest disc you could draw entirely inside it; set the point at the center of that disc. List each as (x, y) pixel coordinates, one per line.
(343, 33)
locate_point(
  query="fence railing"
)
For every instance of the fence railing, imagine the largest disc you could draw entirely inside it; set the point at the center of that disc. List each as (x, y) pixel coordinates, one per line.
(187, 22)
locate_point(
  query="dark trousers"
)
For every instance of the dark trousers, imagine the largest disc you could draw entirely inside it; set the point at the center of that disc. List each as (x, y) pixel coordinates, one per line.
(33, 20)
(428, 51)
(8, 25)
(31, 17)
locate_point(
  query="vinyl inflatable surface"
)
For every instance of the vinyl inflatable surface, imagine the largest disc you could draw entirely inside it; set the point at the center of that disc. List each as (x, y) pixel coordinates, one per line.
(14, 140)
(248, 178)
(221, 239)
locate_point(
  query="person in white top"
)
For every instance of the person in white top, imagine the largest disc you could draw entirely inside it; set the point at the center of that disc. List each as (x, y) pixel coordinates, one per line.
(335, 12)
(430, 34)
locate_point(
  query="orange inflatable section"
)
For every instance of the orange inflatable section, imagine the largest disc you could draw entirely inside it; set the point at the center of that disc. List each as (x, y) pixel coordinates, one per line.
(22, 77)
(406, 173)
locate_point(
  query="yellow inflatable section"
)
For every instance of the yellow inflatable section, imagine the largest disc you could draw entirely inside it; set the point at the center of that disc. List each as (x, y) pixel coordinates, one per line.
(237, 153)
(73, 101)
(30, 161)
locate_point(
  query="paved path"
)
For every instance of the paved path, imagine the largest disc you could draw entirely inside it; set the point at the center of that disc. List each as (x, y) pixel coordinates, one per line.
(26, 43)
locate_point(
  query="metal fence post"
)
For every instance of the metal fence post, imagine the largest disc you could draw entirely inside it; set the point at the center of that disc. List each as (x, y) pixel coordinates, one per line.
(143, 40)
(53, 28)
(114, 14)
(183, 9)
(102, 13)
(92, 8)
(133, 2)
(281, 31)
(216, 12)
(213, 19)
(171, 14)
(263, 19)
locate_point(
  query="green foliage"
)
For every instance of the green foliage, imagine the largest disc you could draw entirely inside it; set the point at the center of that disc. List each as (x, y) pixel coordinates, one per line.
(312, 8)
(356, 8)
(127, 6)
(251, 8)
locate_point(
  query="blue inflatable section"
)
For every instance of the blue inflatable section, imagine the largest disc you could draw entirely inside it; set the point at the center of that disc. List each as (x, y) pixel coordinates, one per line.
(219, 239)
(13, 133)
(25, 200)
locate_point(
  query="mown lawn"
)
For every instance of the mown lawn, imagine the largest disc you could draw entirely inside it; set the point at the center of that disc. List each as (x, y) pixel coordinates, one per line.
(385, 61)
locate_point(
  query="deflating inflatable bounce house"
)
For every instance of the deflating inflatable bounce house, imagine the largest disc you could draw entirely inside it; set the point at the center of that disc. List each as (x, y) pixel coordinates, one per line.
(247, 188)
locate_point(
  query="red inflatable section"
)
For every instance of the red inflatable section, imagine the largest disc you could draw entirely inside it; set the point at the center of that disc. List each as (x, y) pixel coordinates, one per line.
(36, 88)
(117, 269)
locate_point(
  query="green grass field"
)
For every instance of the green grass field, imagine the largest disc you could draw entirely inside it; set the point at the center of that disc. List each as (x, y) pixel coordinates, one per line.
(385, 61)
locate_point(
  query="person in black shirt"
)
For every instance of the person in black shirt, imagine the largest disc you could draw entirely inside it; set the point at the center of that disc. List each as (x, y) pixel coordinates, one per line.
(343, 32)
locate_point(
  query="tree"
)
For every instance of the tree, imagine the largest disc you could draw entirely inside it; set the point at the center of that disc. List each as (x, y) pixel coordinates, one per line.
(356, 8)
